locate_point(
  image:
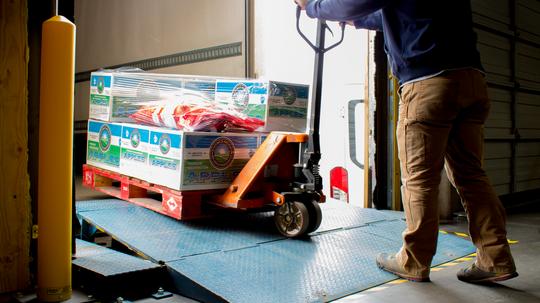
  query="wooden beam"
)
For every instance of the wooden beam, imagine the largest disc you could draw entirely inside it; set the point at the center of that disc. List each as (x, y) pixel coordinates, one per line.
(14, 183)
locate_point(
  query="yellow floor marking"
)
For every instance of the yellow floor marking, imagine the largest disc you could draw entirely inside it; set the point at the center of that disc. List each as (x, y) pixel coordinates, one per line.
(437, 268)
(473, 255)
(443, 232)
(464, 259)
(461, 234)
(400, 281)
(512, 241)
(449, 264)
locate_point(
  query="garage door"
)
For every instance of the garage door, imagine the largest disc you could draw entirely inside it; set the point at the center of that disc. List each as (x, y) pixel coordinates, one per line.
(508, 40)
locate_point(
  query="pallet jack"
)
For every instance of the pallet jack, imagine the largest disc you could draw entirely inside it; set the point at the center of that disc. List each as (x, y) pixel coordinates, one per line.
(285, 168)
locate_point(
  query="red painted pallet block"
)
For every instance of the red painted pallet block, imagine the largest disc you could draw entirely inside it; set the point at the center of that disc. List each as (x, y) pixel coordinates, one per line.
(180, 205)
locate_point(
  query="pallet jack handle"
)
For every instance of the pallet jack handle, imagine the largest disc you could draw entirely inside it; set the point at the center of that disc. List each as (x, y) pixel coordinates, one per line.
(312, 152)
(318, 47)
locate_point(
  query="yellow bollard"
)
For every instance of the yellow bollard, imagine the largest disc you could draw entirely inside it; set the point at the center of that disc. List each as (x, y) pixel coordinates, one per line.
(55, 159)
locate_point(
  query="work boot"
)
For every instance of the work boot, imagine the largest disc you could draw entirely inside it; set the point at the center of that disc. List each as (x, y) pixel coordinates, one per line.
(473, 274)
(391, 265)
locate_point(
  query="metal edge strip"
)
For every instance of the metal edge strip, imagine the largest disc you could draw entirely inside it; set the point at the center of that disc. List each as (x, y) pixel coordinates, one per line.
(193, 56)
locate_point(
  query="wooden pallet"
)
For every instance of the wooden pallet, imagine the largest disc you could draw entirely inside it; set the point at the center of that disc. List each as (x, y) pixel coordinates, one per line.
(180, 205)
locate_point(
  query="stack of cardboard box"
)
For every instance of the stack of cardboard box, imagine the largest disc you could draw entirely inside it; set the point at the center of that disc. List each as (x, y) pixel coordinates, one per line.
(179, 159)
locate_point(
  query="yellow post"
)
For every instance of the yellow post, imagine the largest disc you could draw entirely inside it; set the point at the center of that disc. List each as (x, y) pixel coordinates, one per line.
(55, 159)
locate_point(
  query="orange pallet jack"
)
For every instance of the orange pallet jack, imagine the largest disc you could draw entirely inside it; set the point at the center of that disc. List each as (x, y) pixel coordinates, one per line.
(284, 171)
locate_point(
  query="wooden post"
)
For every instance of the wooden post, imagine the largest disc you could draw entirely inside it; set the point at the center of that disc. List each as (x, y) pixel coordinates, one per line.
(15, 222)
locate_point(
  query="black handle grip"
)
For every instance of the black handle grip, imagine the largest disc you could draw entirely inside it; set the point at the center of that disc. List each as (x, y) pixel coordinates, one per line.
(315, 48)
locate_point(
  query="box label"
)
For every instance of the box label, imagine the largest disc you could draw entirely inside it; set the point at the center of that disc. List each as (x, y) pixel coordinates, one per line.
(165, 151)
(215, 160)
(134, 151)
(103, 149)
(288, 100)
(100, 96)
(248, 97)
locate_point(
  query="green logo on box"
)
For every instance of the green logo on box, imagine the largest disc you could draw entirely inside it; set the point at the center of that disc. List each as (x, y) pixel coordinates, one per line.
(105, 138)
(240, 95)
(135, 138)
(100, 85)
(221, 153)
(164, 144)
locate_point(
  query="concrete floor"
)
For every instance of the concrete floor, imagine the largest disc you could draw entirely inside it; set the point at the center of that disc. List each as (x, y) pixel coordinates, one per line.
(445, 288)
(523, 225)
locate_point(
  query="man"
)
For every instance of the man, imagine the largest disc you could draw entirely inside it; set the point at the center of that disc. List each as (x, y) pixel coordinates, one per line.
(432, 50)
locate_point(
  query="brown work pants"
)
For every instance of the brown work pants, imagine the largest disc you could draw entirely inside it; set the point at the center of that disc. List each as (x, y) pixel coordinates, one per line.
(441, 121)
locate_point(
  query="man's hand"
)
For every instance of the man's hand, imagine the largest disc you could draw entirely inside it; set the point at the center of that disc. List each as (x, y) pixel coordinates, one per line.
(301, 3)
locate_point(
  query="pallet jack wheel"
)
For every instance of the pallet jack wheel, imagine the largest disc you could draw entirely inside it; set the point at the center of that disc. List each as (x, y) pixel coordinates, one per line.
(292, 219)
(315, 216)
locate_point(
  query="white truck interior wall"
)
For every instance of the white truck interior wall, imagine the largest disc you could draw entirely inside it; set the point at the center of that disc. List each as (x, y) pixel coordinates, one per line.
(281, 54)
(121, 31)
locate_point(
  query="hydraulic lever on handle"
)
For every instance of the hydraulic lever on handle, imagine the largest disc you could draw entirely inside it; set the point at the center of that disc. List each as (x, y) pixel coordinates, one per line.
(321, 50)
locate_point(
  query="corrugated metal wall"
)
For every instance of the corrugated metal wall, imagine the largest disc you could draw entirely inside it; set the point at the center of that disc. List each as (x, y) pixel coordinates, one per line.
(509, 42)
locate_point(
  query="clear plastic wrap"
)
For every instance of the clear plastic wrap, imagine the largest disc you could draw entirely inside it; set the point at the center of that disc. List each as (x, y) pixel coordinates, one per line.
(116, 94)
(197, 103)
(196, 116)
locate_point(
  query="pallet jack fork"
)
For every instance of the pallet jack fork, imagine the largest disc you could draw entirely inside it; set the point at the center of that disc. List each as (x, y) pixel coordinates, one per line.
(285, 168)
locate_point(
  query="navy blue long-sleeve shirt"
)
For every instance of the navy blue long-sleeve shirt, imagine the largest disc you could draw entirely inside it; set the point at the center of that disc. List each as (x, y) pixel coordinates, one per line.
(422, 37)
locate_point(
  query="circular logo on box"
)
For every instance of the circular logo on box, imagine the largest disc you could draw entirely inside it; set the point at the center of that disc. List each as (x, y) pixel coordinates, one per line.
(105, 138)
(221, 153)
(289, 95)
(164, 144)
(100, 85)
(135, 138)
(240, 95)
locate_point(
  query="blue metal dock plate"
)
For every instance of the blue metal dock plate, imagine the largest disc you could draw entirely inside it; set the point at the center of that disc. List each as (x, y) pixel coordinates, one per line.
(242, 257)
(107, 262)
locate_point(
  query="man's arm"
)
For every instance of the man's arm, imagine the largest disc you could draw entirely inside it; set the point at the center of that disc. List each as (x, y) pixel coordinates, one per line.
(372, 21)
(343, 10)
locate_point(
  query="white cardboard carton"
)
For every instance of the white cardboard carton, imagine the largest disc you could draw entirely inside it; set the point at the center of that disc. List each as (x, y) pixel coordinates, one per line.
(282, 106)
(134, 149)
(114, 95)
(103, 145)
(198, 160)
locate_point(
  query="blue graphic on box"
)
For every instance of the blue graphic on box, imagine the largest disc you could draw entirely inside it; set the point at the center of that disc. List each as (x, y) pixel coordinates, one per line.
(100, 82)
(164, 139)
(95, 127)
(164, 163)
(242, 93)
(103, 146)
(165, 142)
(131, 132)
(255, 88)
(110, 159)
(206, 141)
(133, 156)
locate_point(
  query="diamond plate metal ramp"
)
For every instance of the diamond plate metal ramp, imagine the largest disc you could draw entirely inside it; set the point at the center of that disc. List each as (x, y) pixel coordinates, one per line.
(242, 258)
